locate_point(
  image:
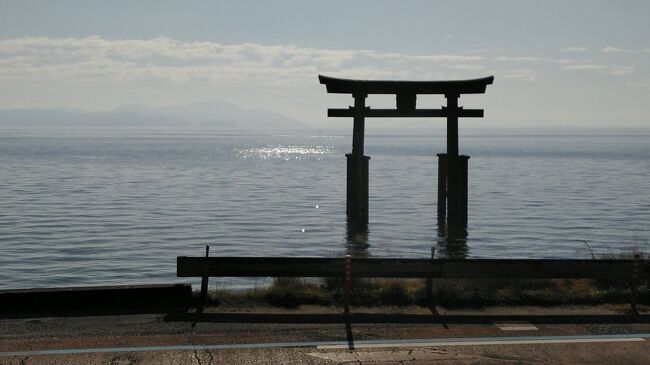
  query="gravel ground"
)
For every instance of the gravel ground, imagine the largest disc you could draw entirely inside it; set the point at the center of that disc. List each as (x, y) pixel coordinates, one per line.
(602, 353)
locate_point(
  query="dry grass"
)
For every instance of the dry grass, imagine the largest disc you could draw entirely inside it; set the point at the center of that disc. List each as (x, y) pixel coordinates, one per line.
(452, 293)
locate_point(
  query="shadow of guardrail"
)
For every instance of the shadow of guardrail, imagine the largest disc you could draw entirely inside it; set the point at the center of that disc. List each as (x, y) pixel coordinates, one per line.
(400, 318)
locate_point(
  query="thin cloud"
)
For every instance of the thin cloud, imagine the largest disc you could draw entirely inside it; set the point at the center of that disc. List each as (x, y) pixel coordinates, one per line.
(621, 70)
(563, 61)
(167, 59)
(610, 49)
(524, 74)
(575, 49)
(584, 67)
(517, 59)
(639, 84)
(431, 57)
(464, 66)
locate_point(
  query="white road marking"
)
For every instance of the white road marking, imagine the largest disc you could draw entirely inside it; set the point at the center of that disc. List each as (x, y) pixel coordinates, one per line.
(344, 344)
(516, 326)
(475, 343)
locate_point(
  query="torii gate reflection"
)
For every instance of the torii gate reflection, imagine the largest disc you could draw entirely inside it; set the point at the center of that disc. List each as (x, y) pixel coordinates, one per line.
(452, 167)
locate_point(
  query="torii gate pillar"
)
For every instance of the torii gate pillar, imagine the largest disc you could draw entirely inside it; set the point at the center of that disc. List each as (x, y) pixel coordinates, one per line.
(357, 176)
(452, 174)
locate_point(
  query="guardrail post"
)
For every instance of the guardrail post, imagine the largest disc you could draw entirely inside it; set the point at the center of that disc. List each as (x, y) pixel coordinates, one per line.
(635, 282)
(429, 287)
(347, 284)
(204, 279)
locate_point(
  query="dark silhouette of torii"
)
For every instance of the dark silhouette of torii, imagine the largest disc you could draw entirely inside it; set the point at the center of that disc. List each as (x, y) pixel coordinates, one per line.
(452, 167)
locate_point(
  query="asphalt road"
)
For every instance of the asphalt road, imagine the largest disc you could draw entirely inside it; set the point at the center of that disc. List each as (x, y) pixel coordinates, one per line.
(148, 339)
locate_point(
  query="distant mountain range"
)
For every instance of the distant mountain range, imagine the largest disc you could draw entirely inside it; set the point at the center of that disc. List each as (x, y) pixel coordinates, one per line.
(213, 114)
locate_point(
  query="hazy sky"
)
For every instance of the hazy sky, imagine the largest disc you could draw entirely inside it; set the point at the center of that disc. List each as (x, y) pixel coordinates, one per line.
(556, 63)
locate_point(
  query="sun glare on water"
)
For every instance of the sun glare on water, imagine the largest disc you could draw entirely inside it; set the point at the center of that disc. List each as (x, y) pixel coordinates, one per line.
(285, 152)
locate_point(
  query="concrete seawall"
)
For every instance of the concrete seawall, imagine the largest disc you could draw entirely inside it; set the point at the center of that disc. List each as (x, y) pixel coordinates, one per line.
(95, 300)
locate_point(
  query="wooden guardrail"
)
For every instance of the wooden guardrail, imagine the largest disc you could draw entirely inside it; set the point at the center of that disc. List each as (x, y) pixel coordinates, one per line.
(631, 270)
(413, 268)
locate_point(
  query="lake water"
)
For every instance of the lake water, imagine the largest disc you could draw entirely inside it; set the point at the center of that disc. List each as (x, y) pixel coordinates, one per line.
(117, 207)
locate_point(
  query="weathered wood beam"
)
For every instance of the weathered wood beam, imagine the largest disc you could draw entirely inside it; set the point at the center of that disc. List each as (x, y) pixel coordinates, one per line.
(410, 268)
(394, 113)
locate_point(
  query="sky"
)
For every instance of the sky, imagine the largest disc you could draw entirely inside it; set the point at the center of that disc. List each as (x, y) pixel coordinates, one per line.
(555, 63)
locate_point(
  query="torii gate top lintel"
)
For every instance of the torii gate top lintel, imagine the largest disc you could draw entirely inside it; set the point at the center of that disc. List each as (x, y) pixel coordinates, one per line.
(348, 86)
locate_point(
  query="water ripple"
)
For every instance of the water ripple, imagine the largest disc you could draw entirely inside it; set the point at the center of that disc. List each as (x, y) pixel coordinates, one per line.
(116, 209)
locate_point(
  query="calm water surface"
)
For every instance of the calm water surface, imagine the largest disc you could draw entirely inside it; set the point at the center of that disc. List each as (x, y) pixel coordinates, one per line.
(117, 207)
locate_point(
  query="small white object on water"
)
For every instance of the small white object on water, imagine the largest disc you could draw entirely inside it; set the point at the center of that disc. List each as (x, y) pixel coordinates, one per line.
(317, 207)
(303, 230)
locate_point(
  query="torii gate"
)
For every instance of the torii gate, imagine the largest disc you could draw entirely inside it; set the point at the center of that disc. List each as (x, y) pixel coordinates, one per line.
(452, 167)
